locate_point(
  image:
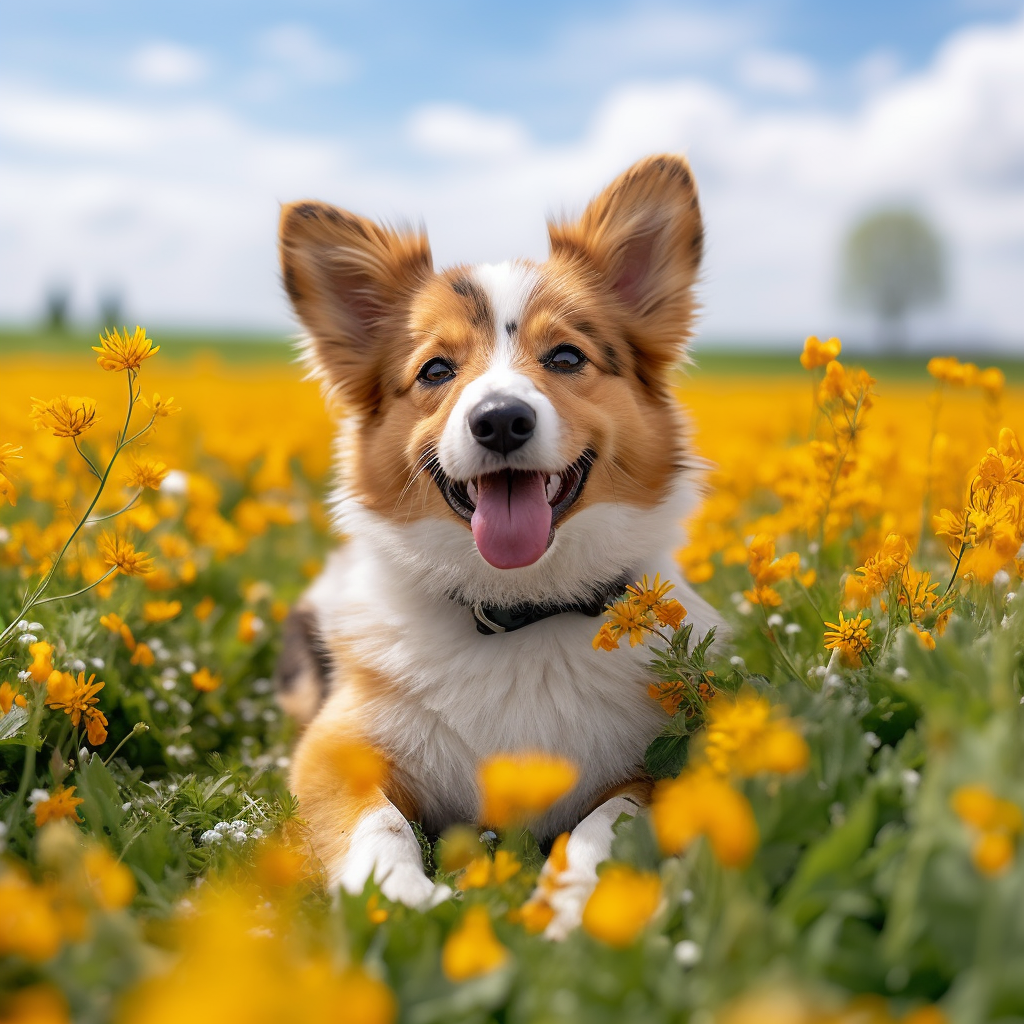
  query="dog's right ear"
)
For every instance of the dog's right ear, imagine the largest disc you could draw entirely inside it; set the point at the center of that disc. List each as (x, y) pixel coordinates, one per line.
(350, 281)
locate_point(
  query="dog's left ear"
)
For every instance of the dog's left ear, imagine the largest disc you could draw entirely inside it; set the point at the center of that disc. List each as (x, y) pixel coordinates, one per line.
(641, 241)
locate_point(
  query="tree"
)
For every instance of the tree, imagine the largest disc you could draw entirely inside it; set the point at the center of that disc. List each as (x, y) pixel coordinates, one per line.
(893, 262)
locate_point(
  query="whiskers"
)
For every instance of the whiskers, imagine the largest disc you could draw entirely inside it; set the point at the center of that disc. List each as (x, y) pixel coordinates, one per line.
(422, 465)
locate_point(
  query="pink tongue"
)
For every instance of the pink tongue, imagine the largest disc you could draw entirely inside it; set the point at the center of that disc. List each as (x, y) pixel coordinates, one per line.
(512, 521)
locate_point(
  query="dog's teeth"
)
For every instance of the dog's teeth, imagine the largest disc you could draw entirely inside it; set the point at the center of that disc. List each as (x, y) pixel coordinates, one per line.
(472, 491)
(554, 485)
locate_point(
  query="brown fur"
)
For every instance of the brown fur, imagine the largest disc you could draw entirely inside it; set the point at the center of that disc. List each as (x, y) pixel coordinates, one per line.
(618, 286)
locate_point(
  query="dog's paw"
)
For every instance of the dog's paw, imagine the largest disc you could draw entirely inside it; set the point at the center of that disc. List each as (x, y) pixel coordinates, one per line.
(567, 900)
(406, 883)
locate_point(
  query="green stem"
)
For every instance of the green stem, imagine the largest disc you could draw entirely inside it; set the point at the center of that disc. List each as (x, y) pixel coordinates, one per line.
(136, 729)
(33, 599)
(88, 461)
(77, 593)
(28, 769)
(114, 515)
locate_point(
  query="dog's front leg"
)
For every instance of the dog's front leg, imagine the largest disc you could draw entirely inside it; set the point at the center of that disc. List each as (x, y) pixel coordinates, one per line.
(355, 836)
(568, 877)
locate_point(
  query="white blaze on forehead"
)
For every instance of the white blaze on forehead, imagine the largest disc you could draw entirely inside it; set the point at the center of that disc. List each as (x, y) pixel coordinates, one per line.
(507, 287)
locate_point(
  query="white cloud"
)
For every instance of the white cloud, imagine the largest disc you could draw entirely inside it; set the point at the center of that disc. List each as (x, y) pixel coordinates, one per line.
(299, 52)
(167, 64)
(454, 131)
(784, 74)
(180, 204)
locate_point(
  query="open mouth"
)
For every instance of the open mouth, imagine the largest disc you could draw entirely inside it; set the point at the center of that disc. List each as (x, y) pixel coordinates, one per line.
(513, 513)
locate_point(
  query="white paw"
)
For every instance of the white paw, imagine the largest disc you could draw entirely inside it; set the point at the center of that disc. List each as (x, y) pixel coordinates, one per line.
(406, 883)
(567, 898)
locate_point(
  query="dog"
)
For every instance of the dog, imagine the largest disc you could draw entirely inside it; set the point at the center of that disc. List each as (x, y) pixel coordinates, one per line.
(511, 455)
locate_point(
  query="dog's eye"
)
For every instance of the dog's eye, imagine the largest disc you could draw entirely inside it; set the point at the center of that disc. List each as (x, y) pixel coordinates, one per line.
(436, 371)
(565, 359)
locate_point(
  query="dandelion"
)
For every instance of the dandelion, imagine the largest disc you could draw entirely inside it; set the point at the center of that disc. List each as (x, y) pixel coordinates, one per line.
(160, 611)
(66, 416)
(42, 664)
(699, 802)
(472, 948)
(622, 903)
(517, 787)
(850, 638)
(61, 804)
(120, 554)
(205, 681)
(146, 473)
(817, 353)
(119, 351)
(9, 696)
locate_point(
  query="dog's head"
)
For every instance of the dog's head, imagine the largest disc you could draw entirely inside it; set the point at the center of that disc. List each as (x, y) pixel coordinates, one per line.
(505, 418)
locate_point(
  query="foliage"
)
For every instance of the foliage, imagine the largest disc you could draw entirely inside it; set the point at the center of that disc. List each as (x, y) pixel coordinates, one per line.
(834, 833)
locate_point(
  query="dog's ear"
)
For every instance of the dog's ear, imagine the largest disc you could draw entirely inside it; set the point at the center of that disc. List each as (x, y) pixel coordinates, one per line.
(641, 241)
(350, 281)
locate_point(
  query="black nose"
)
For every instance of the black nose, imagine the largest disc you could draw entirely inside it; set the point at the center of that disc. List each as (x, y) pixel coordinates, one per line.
(502, 424)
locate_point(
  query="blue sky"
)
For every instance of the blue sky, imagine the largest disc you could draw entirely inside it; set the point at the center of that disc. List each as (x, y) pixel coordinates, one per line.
(161, 138)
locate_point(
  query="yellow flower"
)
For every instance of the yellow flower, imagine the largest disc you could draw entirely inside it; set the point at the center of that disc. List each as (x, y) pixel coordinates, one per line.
(161, 407)
(817, 353)
(66, 416)
(978, 806)
(697, 803)
(112, 884)
(120, 553)
(472, 948)
(29, 926)
(517, 787)
(483, 871)
(119, 351)
(992, 381)
(143, 655)
(622, 903)
(950, 370)
(250, 625)
(36, 1004)
(77, 699)
(631, 618)
(160, 611)
(605, 639)
(8, 492)
(204, 680)
(9, 696)
(996, 822)
(61, 804)
(745, 736)
(203, 610)
(850, 638)
(359, 767)
(42, 665)
(926, 640)
(767, 570)
(116, 624)
(146, 473)
(375, 913)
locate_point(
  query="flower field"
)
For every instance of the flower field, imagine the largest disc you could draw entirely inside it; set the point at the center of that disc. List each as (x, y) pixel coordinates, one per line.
(835, 832)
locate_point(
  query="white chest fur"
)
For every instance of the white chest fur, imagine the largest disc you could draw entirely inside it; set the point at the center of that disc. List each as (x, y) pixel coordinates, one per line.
(464, 695)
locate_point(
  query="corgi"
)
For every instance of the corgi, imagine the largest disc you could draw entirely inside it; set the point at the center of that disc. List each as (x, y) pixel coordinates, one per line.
(511, 455)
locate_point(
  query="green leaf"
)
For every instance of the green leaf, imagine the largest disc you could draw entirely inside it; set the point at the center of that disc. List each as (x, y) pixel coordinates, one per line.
(666, 756)
(828, 858)
(13, 723)
(102, 801)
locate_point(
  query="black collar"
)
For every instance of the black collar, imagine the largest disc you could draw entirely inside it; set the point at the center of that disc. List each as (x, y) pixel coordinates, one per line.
(491, 619)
